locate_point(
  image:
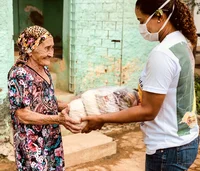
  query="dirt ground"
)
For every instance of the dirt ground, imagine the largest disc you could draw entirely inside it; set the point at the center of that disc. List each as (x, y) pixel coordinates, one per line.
(130, 154)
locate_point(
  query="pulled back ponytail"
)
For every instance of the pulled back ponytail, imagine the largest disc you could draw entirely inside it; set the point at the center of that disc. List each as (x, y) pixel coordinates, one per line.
(182, 20)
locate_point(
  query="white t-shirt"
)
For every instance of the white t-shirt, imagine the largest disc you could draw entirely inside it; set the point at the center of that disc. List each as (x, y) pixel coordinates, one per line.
(170, 70)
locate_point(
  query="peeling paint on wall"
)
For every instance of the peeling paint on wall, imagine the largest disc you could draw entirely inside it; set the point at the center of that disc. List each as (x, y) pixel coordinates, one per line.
(106, 44)
(128, 69)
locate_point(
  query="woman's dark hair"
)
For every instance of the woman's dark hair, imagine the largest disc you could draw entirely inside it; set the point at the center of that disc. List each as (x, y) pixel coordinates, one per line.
(181, 18)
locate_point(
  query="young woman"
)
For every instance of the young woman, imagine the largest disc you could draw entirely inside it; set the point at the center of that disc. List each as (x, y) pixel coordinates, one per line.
(166, 87)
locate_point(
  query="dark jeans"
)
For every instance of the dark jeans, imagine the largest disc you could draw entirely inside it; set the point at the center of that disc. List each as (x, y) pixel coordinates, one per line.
(173, 159)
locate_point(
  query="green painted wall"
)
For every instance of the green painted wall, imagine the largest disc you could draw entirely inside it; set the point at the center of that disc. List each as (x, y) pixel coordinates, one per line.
(6, 44)
(94, 59)
(135, 48)
(6, 61)
(91, 58)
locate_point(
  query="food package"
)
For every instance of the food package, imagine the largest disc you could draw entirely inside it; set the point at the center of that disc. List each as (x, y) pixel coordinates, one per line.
(106, 103)
(77, 111)
(90, 103)
(126, 98)
(103, 100)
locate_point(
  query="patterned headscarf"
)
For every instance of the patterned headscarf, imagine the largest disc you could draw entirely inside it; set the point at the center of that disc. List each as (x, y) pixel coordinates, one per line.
(29, 39)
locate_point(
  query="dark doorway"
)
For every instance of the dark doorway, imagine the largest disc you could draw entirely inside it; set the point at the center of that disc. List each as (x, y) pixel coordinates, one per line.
(46, 13)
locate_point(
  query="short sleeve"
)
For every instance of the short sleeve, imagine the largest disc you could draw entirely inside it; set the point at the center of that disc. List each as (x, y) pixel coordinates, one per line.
(160, 72)
(19, 88)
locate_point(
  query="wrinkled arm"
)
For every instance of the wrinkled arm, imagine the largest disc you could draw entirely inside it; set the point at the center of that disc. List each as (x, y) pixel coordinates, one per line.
(26, 116)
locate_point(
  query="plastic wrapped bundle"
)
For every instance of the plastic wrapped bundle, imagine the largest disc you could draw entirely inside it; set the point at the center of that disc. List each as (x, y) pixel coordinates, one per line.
(90, 103)
(103, 100)
(109, 99)
(77, 111)
(107, 103)
(100, 100)
(126, 98)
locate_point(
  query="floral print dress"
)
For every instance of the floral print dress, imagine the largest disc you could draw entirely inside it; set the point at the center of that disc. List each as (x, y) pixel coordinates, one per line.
(37, 147)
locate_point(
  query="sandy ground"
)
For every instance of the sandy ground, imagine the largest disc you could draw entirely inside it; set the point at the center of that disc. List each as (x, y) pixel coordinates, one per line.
(130, 152)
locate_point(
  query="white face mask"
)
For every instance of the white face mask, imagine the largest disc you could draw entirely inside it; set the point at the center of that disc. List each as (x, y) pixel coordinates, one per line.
(153, 36)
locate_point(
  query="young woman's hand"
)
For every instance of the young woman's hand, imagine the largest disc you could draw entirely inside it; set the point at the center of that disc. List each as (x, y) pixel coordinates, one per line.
(94, 123)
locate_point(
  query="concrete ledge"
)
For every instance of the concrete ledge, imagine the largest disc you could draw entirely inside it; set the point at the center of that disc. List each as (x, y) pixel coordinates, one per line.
(82, 148)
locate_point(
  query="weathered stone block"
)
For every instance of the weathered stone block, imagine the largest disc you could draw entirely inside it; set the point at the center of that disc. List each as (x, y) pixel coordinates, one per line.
(110, 25)
(81, 41)
(109, 7)
(88, 50)
(115, 16)
(81, 24)
(101, 51)
(101, 34)
(119, 26)
(81, 148)
(107, 43)
(115, 53)
(120, 7)
(95, 25)
(95, 42)
(102, 16)
(116, 35)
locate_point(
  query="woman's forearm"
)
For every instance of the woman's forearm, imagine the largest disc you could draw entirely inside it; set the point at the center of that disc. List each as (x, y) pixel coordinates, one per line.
(27, 116)
(135, 114)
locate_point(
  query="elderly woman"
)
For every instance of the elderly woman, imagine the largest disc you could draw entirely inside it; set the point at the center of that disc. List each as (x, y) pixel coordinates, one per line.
(33, 105)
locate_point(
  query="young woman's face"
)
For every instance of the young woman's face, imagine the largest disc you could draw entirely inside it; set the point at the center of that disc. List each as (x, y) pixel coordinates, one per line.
(153, 25)
(42, 54)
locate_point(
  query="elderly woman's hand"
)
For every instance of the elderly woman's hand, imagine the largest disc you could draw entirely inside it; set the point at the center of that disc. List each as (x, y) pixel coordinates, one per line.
(66, 109)
(69, 123)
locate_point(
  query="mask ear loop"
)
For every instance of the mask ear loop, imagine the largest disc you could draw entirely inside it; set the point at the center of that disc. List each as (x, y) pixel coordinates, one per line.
(167, 18)
(160, 8)
(166, 2)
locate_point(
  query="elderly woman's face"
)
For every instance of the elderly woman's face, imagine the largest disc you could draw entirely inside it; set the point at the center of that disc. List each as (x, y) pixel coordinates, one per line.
(42, 54)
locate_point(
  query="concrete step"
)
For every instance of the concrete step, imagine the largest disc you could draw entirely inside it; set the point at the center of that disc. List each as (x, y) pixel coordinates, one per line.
(64, 131)
(82, 148)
